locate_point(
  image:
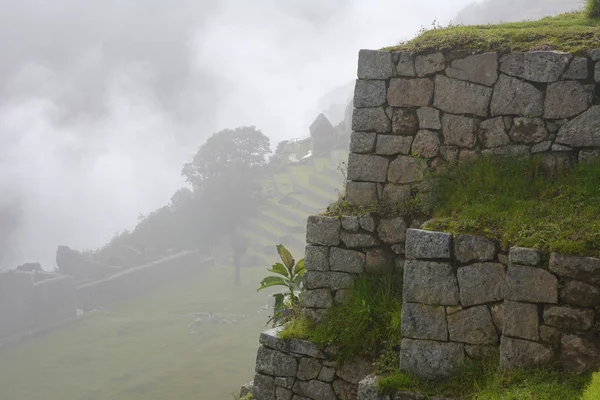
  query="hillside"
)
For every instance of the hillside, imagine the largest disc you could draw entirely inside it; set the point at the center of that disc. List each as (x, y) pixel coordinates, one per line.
(497, 11)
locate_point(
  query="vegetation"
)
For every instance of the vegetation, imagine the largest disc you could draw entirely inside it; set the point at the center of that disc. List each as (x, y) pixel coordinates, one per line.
(573, 32)
(291, 277)
(519, 203)
(592, 391)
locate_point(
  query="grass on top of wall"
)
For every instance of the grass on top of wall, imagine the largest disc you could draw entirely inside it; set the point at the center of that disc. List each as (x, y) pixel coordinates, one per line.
(518, 203)
(572, 32)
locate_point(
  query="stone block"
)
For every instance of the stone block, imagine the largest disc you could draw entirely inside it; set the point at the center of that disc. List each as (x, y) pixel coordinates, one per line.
(379, 260)
(472, 326)
(368, 389)
(497, 311)
(569, 319)
(323, 230)
(426, 144)
(342, 296)
(410, 92)
(528, 130)
(474, 99)
(319, 298)
(541, 147)
(550, 334)
(316, 258)
(405, 122)
(581, 294)
(270, 338)
(430, 283)
(362, 142)
(429, 64)
(282, 393)
(480, 68)
(431, 360)
(521, 320)
(305, 348)
(359, 240)
(392, 231)
(524, 256)
(424, 322)
(406, 65)
(482, 352)
(567, 99)
(538, 66)
(314, 389)
(578, 69)
(422, 244)
(580, 354)
(367, 222)
(355, 370)
(394, 194)
(246, 389)
(370, 168)
(481, 283)
(272, 362)
(389, 145)
(507, 151)
(514, 97)
(361, 193)
(350, 223)
(263, 388)
(515, 353)
(492, 133)
(345, 390)
(327, 374)
(374, 64)
(406, 169)
(371, 119)
(585, 269)
(532, 285)
(583, 131)
(308, 369)
(594, 54)
(429, 118)
(371, 93)
(328, 280)
(468, 248)
(350, 261)
(459, 131)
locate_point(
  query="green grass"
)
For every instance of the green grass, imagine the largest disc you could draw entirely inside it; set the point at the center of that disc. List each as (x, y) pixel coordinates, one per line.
(573, 32)
(592, 8)
(142, 350)
(516, 202)
(592, 391)
(484, 381)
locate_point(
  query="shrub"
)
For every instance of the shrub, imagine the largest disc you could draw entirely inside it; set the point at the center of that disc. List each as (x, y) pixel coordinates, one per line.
(592, 8)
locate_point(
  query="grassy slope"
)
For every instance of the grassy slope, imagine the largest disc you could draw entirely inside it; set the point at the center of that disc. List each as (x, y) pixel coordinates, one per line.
(573, 32)
(142, 350)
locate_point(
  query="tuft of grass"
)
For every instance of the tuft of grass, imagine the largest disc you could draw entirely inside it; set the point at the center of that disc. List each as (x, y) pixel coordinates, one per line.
(575, 33)
(592, 391)
(519, 203)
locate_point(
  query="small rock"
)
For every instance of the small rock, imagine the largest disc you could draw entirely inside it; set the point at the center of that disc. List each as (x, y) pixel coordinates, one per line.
(528, 130)
(492, 133)
(516, 353)
(406, 65)
(426, 144)
(350, 223)
(392, 231)
(459, 131)
(497, 311)
(367, 222)
(346, 260)
(405, 122)
(524, 256)
(429, 118)
(468, 248)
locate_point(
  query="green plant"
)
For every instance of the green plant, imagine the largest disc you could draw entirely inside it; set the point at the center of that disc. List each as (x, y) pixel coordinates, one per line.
(592, 8)
(592, 391)
(291, 277)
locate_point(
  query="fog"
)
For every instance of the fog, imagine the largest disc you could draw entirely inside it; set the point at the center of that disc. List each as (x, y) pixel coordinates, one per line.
(101, 102)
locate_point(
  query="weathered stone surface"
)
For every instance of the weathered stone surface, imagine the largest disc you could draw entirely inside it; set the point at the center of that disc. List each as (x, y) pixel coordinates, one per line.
(424, 322)
(587, 155)
(580, 294)
(350, 223)
(578, 69)
(345, 390)
(509, 150)
(481, 68)
(550, 334)
(315, 314)
(597, 73)
(405, 122)
(561, 147)
(270, 338)
(392, 230)
(314, 389)
(427, 244)
(430, 360)
(594, 54)
(429, 282)
(537, 66)
(481, 283)
(342, 296)
(371, 119)
(373, 64)
(566, 99)
(583, 131)
(272, 362)
(331, 280)
(346, 260)
(429, 64)
(492, 133)
(394, 194)
(553, 162)
(474, 99)
(449, 153)
(429, 118)
(528, 130)
(368, 389)
(362, 142)
(370, 168)
(459, 131)
(308, 369)
(482, 352)
(521, 320)
(405, 169)
(426, 144)
(316, 258)
(282, 393)
(369, 93)
(472, 326)
(410, 92)
(406, 65)
(319, 298)
(393, 144)
(585, 269)
(359, 240)
(497, 311)
(355, 370)
(466, 155)
(246, 389)
(541, 147)
(327, 374)
(263, 388)
(532, 285)
(305, 348)
(580, 354)
(568, 319)
(514, 97)
(468, 248)
(367, 222)
(453, 309)
(515, 353)
(361, 193)
(323, 230)
(524, 256)
(379, 260)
